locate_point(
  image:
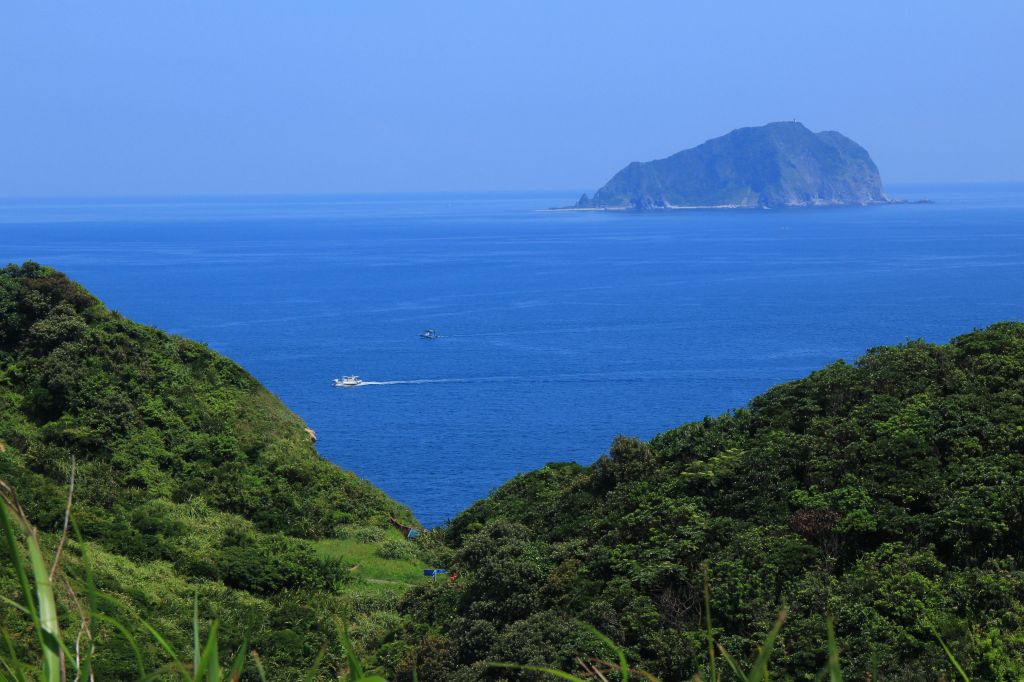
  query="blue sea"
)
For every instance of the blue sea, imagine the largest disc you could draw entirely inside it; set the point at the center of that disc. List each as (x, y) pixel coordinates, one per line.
(558, 330)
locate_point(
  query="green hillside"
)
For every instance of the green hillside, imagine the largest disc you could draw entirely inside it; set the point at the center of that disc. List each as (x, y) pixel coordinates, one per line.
(189, 477)
(888, 494)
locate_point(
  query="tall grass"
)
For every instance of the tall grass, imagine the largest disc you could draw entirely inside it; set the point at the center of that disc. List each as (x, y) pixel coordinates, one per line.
(41, 610)
(604, 670)
(57, 660)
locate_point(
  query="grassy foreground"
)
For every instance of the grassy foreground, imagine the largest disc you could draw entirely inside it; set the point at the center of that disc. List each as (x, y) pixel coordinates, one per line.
(66, 644)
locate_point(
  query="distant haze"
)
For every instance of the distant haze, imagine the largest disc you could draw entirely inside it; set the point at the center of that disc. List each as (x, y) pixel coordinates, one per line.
(233, 97)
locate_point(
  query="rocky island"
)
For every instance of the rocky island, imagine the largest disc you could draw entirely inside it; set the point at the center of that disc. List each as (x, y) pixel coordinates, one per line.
(770, 166)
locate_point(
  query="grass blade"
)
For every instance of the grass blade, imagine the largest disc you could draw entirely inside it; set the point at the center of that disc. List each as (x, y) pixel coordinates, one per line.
(732, 664)
(196, 653)
(707, 625)
(235, 671)
(315, 668)
(13, 664)
(623, 664)
(537, 669)
(160, 674)
(760, 670)
(128, 637)
(15, 605)
(163, 643)
(67, 521)
(208, 662)
(259, 666)
(85, 667)
(53, 656)
(952, 659)
(19, 567)
(834, 672)
(48, 646)
(355, 668)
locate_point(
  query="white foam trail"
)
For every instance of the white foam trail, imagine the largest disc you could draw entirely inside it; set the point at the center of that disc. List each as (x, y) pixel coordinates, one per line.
(414, 381)
(584, 376)
(401, 382)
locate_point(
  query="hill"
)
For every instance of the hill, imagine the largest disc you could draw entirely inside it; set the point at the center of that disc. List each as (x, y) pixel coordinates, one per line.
(190, 477)
(779, 164)
(888, 493)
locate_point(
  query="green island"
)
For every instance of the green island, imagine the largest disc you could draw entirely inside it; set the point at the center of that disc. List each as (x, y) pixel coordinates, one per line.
(883, 498)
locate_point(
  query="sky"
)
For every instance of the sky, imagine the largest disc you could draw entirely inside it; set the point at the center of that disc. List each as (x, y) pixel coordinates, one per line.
(193, 97)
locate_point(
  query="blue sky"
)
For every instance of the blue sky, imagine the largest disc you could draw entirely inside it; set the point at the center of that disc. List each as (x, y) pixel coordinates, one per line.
(250, 97)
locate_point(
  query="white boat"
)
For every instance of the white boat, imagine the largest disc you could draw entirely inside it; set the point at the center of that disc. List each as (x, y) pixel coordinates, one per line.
(429, 334)
(348, 382)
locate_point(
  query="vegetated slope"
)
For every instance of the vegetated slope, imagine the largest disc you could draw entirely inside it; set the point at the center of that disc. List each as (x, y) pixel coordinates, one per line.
(888, 493)
(190, 477)
(778, 164)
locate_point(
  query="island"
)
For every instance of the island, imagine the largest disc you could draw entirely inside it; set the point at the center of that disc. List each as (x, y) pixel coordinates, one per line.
(775, 165)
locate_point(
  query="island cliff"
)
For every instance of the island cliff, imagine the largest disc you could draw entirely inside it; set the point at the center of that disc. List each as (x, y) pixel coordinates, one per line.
(775, 165)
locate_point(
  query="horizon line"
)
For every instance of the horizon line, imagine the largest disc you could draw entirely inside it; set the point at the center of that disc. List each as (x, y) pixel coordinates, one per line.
(142, 197)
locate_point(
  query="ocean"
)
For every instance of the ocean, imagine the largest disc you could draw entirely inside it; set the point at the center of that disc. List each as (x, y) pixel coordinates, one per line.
(558, 330)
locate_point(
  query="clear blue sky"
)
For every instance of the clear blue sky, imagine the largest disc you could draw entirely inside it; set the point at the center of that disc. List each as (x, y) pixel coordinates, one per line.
(249, 96)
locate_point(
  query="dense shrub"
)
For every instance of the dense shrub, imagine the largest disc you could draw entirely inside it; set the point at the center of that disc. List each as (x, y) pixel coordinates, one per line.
(396, 549)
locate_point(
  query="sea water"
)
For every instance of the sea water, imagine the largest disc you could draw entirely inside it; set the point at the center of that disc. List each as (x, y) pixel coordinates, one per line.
(558, 330)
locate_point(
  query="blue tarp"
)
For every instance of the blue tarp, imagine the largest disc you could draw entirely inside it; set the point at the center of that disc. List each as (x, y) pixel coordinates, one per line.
(431, 572)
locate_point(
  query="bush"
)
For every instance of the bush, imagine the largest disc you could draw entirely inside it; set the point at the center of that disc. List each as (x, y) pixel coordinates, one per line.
(396, 549)
(368, 535)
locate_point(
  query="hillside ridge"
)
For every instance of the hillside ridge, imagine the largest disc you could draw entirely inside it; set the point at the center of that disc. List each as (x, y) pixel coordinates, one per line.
(888, 493)
(190, 479)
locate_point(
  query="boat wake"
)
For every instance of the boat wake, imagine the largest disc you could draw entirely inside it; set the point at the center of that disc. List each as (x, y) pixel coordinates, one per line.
(415, 381)
(618, 377)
